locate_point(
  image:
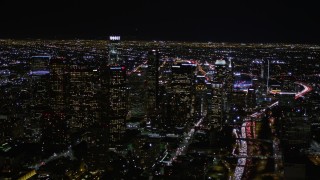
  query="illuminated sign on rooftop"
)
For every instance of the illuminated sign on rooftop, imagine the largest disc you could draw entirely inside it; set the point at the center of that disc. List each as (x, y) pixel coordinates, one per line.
(39, 73)
(188, 64)
(220, 62)
(48, 57)
(176, 66)
(117, 68)
(114, 38)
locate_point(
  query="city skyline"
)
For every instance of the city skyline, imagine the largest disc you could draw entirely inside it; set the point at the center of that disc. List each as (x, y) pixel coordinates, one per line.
(159, 90)
(142, 20)
(155, 109)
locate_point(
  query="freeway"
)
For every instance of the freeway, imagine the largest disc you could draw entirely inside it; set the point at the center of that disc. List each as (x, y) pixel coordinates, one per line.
(246, 133)
(136, 69)
(306, 89)
(248, 127)
(239, 170)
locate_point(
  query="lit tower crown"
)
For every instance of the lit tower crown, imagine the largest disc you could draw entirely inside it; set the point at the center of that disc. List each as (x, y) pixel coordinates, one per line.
(220, 62)
(113, 50)
(220, 67)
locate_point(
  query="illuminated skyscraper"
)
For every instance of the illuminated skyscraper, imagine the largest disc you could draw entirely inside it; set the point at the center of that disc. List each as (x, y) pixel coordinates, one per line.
(152, 86)
(215, 109)
(82, 97)
(251, 98)
(200, 96)
(220, 70)
(59, 83)
(180, 92)
(39, 63)
(229, 79)
(137, 86)
(55, 121)
(114, 51)
(114, 95)
(39, 78)
(218, 90)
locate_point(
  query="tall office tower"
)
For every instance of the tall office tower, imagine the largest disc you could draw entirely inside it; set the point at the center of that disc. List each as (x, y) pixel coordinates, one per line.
(59, 83)
(114, 99)
(165, 74)
(114, 51)
(152, 87)
(199, 107)
(220, 70)
(229, 85)
(82, 100)
(180, 92)
(136, 83)
(295, 135)
(251, 98)
(39, 63)
(215, 110)
(218, 91)
(55, 121)
(39, 78)
(229, 78)
(262, 73)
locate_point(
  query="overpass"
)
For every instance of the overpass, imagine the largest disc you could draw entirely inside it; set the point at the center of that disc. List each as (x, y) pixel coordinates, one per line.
(33, 172)
(245, 134)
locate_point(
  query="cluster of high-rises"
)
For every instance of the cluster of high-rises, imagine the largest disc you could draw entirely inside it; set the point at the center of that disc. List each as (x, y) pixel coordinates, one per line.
(169, 109)
(70, 97)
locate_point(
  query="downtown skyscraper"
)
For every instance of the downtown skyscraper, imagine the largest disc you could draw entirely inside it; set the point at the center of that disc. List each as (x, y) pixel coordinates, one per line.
(152, 86)
(114, 95)
(39, 103)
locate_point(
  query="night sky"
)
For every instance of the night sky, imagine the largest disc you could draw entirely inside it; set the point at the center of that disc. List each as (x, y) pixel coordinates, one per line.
(198, 20)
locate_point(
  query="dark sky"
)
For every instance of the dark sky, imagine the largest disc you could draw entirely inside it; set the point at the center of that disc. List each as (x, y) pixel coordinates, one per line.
(195, 20)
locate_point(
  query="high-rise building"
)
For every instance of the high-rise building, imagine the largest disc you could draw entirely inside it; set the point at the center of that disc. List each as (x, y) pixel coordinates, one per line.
(39, 63)
(55, 121)
(200, 96)
(82, 100)
(136, 83)
(152, 87)
(218, 94)
(114, 106)
(220, 70)
(59, 83)
(215, 110)
(39, 78)
(114, 51)
(251, 98)
(229, 79)
(180, 92)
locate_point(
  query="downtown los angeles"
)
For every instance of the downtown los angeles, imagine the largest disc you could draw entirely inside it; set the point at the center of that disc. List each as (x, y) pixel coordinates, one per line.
(117, 109)
(159, 90)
